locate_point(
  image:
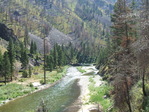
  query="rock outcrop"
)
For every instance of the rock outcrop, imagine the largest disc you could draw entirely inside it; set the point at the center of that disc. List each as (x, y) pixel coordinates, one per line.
(6, 33)
(55, 36)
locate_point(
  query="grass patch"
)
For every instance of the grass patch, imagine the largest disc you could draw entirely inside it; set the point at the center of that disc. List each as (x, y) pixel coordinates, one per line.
(53, 76)
(81, 70)
(97, 95)
(13, 90)
(138, 101)
(60, 73)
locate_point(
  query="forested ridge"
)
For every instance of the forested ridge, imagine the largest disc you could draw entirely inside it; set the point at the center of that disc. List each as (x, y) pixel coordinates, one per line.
(39, 38)
(124, 62)
(85, 26)
(22, 19)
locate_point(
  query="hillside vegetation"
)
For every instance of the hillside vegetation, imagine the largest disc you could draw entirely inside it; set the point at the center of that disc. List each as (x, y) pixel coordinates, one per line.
(83, 20)
(124, 62)
(37, 36)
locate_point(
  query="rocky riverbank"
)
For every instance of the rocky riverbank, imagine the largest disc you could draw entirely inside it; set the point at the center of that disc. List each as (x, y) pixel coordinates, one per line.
(82, 103)
(85, 93)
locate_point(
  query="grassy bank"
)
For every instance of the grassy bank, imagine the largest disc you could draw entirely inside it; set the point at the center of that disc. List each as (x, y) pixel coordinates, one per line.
(80, 69)
(100, 95)
(51, 77)
(11, 91)
(23, 86)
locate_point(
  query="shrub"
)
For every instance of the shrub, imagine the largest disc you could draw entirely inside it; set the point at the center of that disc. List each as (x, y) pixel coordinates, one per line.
(30, 85)
(80, 69)
(42, 82)
(97, 95)
(25, 74)
(21, 80)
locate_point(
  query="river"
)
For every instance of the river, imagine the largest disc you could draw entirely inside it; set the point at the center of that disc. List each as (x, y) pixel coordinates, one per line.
(56, 98)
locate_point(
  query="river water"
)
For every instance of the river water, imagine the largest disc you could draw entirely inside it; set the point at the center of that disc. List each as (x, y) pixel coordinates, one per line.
(56, 98)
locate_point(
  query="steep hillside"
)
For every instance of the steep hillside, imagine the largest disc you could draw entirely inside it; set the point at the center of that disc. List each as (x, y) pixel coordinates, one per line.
(84, 19)
(55, 36)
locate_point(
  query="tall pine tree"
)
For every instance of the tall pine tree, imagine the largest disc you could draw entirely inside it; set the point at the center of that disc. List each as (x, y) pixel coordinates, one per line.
(32, 47)
(1, 63)
(11, 53)
(24, 57)
(6, 67)
(55, 56)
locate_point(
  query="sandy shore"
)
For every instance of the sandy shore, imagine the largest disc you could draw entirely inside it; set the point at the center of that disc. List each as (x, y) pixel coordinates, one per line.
(84, 95)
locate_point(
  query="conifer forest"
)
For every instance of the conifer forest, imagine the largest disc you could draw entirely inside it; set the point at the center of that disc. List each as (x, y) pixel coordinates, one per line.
(74, 55)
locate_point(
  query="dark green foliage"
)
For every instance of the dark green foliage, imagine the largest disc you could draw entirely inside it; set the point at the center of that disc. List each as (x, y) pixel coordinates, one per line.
(60, 56)
(55, 56)
(49, 63)
(11, 53)
(85, 54)
(30, 71)
(86, 10)
(6, 69)
(103, 56)
(123, 27)
(25, 74)
(33, 48)
(17, 48)
(26, 37)
(24, 58)
(1, 63)
(42, 82)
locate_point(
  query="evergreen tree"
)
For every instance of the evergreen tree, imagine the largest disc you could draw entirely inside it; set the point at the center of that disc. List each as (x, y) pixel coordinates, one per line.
(32, 48)
(63, 58)
(25, 74)
(51, 64)
(24, 59)
(120, 24)
(11, 53)
(6, 67)
(17, 49)
(123, 27)
(26, 39)
(30, 71)
(1, 63)
(60, 60)
(55, 56)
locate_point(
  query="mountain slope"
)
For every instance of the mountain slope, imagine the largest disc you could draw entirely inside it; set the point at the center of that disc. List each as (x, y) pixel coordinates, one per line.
(55, 36)
(85, 21)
